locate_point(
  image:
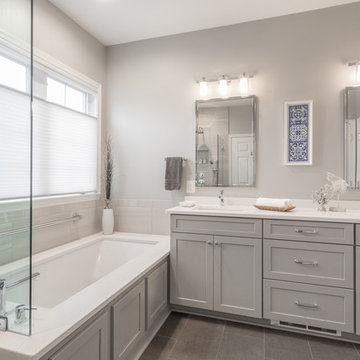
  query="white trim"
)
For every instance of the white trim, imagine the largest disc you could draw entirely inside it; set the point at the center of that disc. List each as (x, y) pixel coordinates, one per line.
(310, 135)
(49, 62)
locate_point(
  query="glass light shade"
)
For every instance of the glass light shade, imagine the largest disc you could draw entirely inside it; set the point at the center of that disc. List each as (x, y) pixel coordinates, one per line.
(203, 88)
(358, 73)
(223, 87)
(244, 85)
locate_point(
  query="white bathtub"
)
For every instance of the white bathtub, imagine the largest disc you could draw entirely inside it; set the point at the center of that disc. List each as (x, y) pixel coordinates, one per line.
(66, 273)
(76, 280)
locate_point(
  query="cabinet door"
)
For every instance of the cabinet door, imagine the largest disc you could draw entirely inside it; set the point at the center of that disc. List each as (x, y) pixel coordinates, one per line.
(91, 344)
(191, 266)
(237, 275)
(128, 321)
(357, 306)
(157, 293)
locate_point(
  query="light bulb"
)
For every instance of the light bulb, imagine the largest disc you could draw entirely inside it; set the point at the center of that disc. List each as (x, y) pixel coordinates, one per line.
(223, 86)
(244, 85)
(358, 73)
(203, 88)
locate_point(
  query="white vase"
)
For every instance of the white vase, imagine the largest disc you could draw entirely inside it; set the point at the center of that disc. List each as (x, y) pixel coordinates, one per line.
(108, 221)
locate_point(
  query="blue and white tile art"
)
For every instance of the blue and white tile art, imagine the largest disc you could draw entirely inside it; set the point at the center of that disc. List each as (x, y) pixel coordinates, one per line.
(298, 118)
(298, 132)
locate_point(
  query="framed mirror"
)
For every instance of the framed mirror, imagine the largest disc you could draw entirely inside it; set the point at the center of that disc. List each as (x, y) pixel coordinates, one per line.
(352, 137)
(225, 142)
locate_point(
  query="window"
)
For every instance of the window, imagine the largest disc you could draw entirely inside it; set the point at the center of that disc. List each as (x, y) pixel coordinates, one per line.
(65, 133)
(12, 74)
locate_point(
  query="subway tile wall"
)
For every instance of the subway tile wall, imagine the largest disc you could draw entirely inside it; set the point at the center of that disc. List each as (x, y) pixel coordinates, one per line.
(138, 216)
(17, 216)
(142, 216)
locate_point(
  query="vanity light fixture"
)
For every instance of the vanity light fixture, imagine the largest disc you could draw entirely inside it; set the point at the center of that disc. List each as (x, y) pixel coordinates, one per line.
(357, 66)
(224, 86)
(244, 85)
(203, 87)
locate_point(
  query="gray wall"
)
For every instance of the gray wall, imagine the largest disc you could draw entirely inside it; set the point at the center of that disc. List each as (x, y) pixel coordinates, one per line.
(59, 36)
(151, 92)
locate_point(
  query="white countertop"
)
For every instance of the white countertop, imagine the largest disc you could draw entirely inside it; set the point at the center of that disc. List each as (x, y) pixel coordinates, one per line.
(51, 326)
(247, 211)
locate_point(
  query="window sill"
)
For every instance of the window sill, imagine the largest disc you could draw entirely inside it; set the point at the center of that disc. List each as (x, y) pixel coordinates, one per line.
(50, 200)
(64, 199)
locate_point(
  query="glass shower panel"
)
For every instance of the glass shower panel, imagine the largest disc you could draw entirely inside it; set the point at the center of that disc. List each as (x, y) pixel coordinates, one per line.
(15, 164)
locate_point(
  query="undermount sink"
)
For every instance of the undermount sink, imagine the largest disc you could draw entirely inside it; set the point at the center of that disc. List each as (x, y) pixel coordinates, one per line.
(219, 207)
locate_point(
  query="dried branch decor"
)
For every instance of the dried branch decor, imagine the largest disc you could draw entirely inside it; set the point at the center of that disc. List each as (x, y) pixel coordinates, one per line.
(108, 172)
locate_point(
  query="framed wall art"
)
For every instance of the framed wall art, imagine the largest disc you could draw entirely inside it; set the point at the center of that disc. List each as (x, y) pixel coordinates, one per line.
(298, 132)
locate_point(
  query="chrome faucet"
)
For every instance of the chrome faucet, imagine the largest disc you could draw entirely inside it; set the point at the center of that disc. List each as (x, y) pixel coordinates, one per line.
(221, 197)
(2, 297)
(20, 309)
(3, 315)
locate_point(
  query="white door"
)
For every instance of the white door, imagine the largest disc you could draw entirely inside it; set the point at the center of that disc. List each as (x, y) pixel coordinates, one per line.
(241, 159)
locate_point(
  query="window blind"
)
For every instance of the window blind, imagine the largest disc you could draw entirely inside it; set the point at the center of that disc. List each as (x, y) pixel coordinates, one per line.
(14, 144)
(64, 148)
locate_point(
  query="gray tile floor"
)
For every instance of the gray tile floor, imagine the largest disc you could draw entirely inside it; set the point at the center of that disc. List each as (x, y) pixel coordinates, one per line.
(185, 337)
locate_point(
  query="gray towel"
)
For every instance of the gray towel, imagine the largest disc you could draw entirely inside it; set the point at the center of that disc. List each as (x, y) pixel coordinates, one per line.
(173, 173)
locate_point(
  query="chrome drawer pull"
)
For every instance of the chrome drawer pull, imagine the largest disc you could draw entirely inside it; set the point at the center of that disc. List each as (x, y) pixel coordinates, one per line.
(301, 231)
(306, 262)
(306, 305)
(209, 242)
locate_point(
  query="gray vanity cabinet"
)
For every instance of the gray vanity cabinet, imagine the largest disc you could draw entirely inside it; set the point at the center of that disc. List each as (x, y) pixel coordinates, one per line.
(357, 269)
(93, 343)
(215, 271)
(128, 321)
(237, 275)
(191, 261)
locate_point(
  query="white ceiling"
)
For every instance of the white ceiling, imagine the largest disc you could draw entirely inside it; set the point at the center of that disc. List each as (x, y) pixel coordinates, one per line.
(120, 21)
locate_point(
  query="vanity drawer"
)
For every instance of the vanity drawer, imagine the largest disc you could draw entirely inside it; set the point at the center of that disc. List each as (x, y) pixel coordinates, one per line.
(327, 232)
(312, 263)
(217, 225)
(318, 306)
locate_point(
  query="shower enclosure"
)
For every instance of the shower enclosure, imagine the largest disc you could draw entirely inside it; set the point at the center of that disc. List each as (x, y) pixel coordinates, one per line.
(15, 165)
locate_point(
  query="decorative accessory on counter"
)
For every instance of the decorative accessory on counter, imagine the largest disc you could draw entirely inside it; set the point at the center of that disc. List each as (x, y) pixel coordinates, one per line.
(173, 173)
(339, 187)
(188, 203)
(322, 197)
(330, 191)
(108, 213)
(274, 204)
(298, 132)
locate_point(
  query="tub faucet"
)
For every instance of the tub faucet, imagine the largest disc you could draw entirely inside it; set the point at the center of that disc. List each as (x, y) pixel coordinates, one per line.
(3, 315)
(221, 197)
(2, 297)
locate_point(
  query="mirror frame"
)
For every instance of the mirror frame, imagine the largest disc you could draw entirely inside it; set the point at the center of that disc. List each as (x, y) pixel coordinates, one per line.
(346, 137)
(254, 128)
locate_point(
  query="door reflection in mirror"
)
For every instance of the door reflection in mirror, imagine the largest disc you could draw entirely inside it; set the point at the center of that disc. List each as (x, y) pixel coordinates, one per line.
(225, 142)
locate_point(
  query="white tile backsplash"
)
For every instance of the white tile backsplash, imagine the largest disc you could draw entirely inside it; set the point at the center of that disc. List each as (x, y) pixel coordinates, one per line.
(142, 216)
